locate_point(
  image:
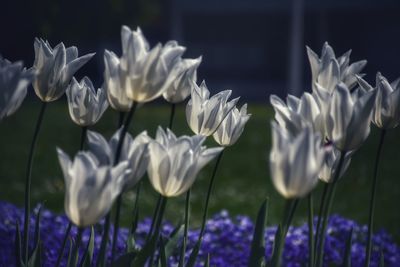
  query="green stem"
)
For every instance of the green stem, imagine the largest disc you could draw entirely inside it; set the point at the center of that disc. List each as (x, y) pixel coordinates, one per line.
(61, 252)
(321, 209)
(158, 224)
(327, 210)
(121, 118)
(116, 161)
(28, 181)
(310, 230)
(291, 205)
(154, 219)
(135, 212)
(372, 200)
(75, 251)
(185, 231)
(83, 137)
(101, 261)
(172, 115)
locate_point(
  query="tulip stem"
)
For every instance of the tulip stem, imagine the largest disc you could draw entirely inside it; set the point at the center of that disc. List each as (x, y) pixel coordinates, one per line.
(116, 161)
(196, 248)
(121, 118)
(327, 210)
(153, 221)
(28, 181)
(157, 229)
(185, 230)
(372, 200)
(75, 251)
(83, 137)
(61, 252)
(291, 206)
(310, 230)
(321, 208)
(172, 115)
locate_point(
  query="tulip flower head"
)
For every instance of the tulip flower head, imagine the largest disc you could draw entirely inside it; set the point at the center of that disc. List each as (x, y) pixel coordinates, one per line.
(348, 116)
(85, 105)
(134, 151)
(14, 80)
(142, 73)
(186, 77)
(55, 68)
(295, 161)
(331, 163)
(90, 188)
(297, 113)
(328, 71)
(232, 127)
(205, 114)
(176, 161)
(386, 113)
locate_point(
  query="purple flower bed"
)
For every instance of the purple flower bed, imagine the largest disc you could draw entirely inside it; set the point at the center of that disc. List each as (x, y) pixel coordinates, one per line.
(227, 240)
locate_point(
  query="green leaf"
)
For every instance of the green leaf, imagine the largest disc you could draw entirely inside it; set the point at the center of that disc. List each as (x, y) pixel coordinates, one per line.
(35, 259)
(145, 252)
(87, 258)
(125, 260)
(277, 247)
(207, 261)
(172, 243)
(71, 245)
(347, 252)
(256, 258)
(18, 258)
(193, 256)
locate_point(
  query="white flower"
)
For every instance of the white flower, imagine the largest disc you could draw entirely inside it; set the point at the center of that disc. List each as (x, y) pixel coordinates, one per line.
(85, 105)
(144, 74)
(133, 151)
(232, 126)
(386, 113)
(298, 113)
(205, 114)
(348, 116)
(14, 80)
(295, 161)
(328, 71)
(55, 68)
(331, 162)
(186, 76)
(90, 188)
(175, 162)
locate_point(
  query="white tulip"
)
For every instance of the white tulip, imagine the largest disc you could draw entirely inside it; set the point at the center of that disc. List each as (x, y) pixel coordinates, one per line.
(90, 188)
(186, 76)
(348, 116)
(232, 127)
(328, 71)
(14, 80)
(386, 113)
(205, 114)
(295, 161)
(144, 74)
(55, 68)
(331, 163)
(85, 105)
(175, 162)
(297, 113)
(133, 151)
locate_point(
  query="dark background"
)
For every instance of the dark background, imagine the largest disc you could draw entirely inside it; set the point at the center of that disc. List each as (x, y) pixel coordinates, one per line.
(246, 45)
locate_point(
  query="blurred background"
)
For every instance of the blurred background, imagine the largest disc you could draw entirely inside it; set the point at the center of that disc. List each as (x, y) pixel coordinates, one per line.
(254, 48)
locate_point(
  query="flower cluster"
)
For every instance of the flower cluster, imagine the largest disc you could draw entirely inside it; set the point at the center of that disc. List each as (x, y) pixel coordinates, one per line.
(226, 238)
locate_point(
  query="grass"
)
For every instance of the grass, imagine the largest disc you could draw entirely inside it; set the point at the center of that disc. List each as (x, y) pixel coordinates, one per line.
(242, 181)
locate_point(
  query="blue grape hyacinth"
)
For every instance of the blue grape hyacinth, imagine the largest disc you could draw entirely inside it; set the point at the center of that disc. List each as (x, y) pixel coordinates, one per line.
(227, 239)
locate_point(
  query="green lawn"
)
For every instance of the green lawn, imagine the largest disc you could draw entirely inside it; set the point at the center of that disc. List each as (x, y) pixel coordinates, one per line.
(242, 181)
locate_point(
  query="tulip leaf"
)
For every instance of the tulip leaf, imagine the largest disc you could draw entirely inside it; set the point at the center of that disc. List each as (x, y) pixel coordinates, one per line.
(347, 252)
(87, 258)
(125, 260)
(71, 245)
(131, 243)
(257, 246)
(207, 264)
(193, 256)
(172, 243)
(18, 258)
(277, 246)
(145, 252)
